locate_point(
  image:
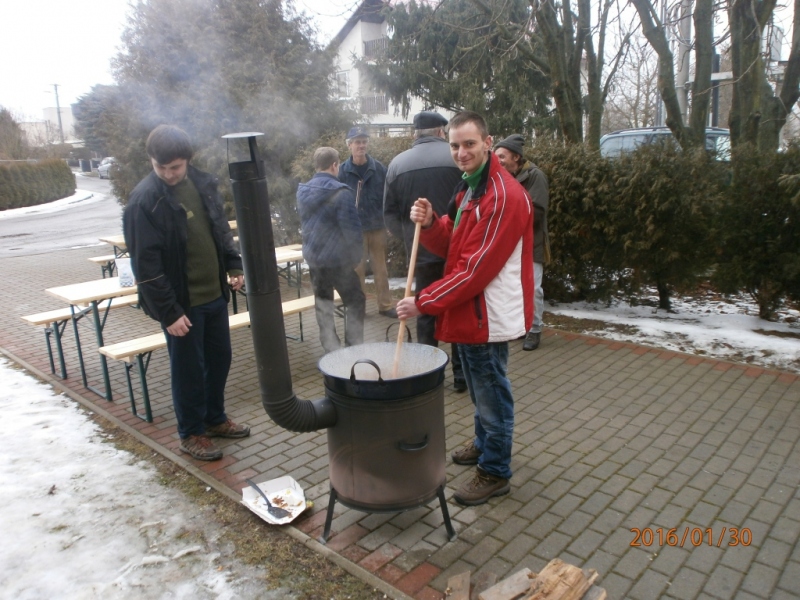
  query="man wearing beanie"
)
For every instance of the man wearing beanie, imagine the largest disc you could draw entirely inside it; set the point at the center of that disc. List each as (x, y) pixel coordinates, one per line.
(509, 153)
(426, 170)
(366, 177)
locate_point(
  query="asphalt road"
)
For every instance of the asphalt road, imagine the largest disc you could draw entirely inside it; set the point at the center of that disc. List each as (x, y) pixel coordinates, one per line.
(64, 224)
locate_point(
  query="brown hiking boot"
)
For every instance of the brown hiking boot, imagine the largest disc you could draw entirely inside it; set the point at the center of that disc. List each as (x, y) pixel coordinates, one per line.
(228, 429)
(200, 447)
(480, 488)
(468, 454)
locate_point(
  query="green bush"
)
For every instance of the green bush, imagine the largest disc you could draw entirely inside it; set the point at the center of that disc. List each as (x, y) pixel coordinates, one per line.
(29, 184)
(666, 201)
(585, 246)
(758, 229)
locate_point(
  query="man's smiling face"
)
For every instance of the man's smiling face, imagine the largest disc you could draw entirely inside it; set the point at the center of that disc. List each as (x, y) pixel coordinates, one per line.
(468, 148)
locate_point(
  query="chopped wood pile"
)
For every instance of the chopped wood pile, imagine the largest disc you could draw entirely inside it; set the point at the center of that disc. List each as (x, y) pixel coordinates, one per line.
(557, 581)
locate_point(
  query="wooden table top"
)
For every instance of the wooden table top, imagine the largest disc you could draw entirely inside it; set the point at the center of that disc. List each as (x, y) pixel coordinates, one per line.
(114, 240)
(91, 291)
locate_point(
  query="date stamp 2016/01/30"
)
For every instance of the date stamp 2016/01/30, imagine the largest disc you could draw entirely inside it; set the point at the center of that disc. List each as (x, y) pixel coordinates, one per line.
(694, 536)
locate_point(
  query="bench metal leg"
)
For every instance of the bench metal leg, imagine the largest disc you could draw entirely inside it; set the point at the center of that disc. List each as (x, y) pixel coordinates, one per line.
(57, 331)
(142, 363)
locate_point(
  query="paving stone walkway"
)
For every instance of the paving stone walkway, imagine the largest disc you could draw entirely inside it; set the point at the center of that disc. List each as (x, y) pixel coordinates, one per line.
(674, 476)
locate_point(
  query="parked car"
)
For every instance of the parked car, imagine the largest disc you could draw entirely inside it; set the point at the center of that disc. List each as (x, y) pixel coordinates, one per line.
(106, 167)
(626, 140)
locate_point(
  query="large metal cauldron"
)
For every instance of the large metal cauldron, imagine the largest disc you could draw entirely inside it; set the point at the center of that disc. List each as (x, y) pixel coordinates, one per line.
(387, 450)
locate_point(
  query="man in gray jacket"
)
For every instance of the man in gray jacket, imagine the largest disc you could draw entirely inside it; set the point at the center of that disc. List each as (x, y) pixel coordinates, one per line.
(509, 153)
(426, 170)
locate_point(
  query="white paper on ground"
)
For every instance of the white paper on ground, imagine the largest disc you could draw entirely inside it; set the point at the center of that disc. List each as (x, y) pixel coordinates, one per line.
(283, 492)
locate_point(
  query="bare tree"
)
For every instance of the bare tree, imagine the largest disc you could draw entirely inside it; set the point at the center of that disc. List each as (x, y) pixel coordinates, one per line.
(633, 97)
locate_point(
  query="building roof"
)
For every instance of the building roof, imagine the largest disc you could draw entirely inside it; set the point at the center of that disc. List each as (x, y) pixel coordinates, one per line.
(369, 11)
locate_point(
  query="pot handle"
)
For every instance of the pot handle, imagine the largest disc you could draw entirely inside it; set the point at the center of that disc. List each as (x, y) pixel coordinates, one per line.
(368, 362)
(408, 332)
(405, 447)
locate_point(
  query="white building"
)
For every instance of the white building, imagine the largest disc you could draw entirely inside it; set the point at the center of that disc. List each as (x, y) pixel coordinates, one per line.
(365, 35)
(48, 130)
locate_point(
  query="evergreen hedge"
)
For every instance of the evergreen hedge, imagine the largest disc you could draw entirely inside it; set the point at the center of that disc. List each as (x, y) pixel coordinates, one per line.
(29, 184)
(656, 217)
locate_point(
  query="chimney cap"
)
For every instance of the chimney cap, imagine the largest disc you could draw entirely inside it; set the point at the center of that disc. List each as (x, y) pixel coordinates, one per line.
(243, 134)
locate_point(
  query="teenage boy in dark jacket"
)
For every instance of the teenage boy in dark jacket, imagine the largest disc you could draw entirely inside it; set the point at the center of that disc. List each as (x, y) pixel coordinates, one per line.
(182, 255)
(332, 248)
(366, 177)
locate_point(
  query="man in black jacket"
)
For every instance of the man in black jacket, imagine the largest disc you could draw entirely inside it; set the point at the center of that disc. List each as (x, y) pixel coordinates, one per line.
(426, 170)
(182, 255)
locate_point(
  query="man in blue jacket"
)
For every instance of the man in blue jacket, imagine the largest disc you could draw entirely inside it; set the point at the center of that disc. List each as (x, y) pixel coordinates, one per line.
(332, 248)
(182, 254)
(366, 176)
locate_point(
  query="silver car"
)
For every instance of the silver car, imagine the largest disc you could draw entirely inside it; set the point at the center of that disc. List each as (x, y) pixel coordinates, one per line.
(626, 140)
(106, 167)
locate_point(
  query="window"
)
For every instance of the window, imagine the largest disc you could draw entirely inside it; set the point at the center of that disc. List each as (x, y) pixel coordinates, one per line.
(342, 84)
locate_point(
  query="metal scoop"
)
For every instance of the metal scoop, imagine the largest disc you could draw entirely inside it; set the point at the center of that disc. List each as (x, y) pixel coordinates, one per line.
(276, 512)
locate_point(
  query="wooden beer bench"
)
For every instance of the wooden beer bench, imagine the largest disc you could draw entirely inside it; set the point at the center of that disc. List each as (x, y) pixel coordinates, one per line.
(107, 264)
(141, 349)
(54, 323)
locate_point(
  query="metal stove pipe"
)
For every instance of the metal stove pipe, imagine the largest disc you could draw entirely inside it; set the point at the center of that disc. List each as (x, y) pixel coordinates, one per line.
(257, 245)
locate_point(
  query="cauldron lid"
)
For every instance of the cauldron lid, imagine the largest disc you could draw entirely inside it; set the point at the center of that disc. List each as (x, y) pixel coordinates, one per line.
(415, 360)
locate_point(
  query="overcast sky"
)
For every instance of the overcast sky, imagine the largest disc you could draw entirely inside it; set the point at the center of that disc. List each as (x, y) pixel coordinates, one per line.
(46, 42)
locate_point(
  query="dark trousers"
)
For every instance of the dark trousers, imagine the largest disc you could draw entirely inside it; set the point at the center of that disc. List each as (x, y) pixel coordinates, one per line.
(345, 281)
(199, 363)
(424, 275)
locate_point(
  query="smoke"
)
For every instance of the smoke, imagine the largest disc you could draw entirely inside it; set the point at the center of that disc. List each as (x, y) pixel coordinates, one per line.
(214, 67)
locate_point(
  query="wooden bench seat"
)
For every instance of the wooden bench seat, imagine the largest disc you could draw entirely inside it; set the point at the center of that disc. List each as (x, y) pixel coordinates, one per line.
(107, 263)
(142, 348)
(54, 322)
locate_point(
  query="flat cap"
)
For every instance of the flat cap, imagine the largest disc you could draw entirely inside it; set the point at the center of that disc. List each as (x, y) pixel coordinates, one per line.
(429, 119)
(357, 131)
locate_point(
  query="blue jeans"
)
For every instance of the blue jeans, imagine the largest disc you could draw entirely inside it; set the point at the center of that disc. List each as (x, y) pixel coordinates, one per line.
(486, 371)
(199, 363)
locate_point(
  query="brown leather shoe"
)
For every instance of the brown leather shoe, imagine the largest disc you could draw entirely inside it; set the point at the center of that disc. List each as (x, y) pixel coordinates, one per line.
(468, 454)
(480, 488)
(200, 447)
(228, 429)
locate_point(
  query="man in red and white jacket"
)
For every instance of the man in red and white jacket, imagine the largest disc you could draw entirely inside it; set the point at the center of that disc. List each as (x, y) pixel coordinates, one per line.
(484, 299)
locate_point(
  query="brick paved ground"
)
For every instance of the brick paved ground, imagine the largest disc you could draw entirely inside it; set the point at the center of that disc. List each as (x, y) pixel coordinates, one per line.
(609, 437)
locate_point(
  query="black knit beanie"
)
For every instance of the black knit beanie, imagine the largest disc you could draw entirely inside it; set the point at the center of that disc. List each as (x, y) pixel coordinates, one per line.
(514, 142)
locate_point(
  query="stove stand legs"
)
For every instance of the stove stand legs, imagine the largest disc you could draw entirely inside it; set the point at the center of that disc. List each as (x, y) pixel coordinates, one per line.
(326, 531)
(323, 539)
(451, 533)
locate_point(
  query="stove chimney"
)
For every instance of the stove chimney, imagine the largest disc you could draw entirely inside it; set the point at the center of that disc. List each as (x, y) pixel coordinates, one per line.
(257, 244)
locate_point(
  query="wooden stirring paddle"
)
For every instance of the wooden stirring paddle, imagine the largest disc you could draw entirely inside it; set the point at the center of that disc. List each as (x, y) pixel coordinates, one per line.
(412, 262)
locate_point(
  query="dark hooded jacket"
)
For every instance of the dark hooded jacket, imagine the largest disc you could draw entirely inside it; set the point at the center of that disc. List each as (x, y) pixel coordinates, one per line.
(368, 192)
(535, 182)
(329, 221)
(155, 228)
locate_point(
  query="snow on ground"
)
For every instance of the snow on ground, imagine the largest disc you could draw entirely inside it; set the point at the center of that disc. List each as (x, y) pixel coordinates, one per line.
(710, 325)
(82, 519)
(80, 196)
(726, 328)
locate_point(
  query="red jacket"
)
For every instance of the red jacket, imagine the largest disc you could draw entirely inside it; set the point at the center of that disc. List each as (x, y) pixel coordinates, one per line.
(486, 293)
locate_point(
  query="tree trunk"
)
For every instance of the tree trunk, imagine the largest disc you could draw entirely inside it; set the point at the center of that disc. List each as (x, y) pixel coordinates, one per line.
(654, 32)
(562, 55)
(703, 52)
